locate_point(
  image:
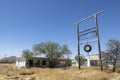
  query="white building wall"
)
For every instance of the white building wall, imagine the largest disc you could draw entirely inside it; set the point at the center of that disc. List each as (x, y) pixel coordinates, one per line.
(20, 63)
(74, 62)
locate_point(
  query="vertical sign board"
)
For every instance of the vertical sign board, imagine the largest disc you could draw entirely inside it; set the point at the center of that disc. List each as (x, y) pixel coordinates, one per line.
(89, 34)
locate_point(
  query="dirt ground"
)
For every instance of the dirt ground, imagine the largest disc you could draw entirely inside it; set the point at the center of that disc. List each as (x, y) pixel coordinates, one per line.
(11, 72)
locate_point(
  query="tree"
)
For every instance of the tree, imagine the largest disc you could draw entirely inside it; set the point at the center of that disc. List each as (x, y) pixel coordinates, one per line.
(113, 48)
(27, 53)
(51, 50)
(82, 59)
(105, 59)
(68, 62)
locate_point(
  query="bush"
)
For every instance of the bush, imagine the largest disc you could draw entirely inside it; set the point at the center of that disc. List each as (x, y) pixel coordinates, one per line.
(68, 62)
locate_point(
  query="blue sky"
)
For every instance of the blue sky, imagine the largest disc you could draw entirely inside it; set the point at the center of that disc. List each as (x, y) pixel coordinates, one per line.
(24, 23)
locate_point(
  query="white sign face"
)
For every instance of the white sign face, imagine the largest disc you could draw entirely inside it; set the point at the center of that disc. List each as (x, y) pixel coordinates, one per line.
(87, 48)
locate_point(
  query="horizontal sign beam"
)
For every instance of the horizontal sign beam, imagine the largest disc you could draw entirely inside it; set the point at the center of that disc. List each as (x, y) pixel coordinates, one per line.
(89, 41)
(89, 17)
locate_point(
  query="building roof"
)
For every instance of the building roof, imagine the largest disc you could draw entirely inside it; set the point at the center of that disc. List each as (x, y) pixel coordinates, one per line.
(31, 58)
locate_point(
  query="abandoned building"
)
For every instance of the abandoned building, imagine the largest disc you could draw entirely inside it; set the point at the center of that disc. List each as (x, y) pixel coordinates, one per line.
(37, 62)
(91, 60)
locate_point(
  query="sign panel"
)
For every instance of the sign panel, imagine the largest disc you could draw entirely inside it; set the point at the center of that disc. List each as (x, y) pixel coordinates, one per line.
(87, 48)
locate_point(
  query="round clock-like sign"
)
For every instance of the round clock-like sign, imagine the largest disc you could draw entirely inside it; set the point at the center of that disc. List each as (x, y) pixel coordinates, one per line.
(87, 48)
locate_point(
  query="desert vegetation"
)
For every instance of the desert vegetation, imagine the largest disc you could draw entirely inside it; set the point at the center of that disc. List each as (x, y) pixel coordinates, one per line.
(10, 72)
(50, 50)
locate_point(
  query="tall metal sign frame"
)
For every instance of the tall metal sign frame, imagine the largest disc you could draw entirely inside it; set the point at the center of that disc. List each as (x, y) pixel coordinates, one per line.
(93, 30)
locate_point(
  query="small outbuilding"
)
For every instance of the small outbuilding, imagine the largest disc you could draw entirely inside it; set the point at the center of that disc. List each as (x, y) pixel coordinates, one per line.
(94, 60)
(91, 60)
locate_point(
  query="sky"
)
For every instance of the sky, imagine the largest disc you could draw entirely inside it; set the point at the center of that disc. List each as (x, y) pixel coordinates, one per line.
(24, 23)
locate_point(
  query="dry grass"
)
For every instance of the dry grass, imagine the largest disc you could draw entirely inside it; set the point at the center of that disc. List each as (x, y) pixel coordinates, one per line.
(10, 72)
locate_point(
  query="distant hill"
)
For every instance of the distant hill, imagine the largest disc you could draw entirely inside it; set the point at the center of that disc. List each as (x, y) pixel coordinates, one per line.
(10, 59)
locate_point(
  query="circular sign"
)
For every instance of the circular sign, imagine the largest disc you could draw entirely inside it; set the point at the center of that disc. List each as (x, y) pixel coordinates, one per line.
(87, 48)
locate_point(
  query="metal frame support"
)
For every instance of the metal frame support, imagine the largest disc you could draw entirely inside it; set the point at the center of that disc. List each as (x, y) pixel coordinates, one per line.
(89, 17)
(82, 34)
(78, 43)
(99, 49)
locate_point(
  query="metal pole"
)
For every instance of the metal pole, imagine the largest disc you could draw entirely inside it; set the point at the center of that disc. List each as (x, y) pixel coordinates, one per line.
(78, 44)
(88, 64)
(96, 23)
